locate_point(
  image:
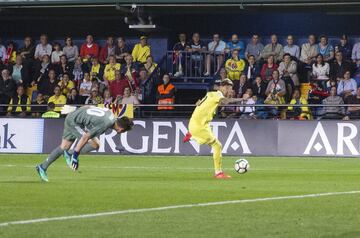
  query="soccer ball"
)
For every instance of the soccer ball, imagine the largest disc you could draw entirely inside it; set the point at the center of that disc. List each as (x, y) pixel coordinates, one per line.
(241, 166)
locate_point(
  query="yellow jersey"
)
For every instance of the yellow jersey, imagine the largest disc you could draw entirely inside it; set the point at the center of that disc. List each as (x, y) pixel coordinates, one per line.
(57, 100)
(109, 71)
(234, 68)
(140, 53)
(206, 109)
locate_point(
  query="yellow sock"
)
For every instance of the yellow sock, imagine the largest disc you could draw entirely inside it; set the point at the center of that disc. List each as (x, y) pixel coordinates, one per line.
(217, 147)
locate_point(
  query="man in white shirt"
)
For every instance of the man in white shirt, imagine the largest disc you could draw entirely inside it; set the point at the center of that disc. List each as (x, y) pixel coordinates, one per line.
(292, 49)
(216, 50)
(43, 48)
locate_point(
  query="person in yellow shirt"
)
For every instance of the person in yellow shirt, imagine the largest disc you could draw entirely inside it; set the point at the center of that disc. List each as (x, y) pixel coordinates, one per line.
(234, 66)
(58, 99)
(303, 113)
(66, 84)
(19, 99)
(110, 68)
(141, 51)
(199, 125)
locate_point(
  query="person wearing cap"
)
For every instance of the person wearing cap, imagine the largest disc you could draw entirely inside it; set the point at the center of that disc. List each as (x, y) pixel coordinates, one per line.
(141, 51)
(344, 47)
(199, 125)
(94, 97)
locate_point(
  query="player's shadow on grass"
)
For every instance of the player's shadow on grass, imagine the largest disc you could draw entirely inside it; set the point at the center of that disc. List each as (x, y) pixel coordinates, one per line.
(350, 234)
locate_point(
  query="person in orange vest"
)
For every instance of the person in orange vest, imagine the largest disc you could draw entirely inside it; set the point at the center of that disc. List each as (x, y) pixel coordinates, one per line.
(166, 94)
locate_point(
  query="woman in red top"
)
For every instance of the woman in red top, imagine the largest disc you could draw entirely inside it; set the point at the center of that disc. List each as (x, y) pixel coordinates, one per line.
(268, 68)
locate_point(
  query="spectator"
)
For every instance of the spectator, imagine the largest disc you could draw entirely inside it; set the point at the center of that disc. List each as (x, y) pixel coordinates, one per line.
(85, 87)
(58, 99)
(27, 53)
(259, 88)
(51, 113)
(288, 69)
(66, 84)
(216, 52)
(268, 68)
(43, 48)
(107, 97)
(46, 85)
(94, 98)
(353, 112)
(70, 50)
(275, 92)
(107, 50)
(344, 47)
(129, 98)
(42, 68)
(221, 75)
(89, 49)
(333, 112)
(242, 86)
(247, 112)
(141, 51)
(10, 56)
(292, 49)
(307, 57)
(2, 52)
(73, 98)
(325, 49)
(56, 54)
(19, 99)
(254, 48)
(251, 69)
(298, 111)
(309, 51)
(17, 72)
(150, 65)
(196, 48)
(110, 68)
(97, 70)
(166, 94)
(7, 88)
(234, 67)
(40, 106)
(355, 55)
(78, 71)
(64, 67)
(121, 51)
(179, 57)
(129, 70)
(339, 67)
(117, 86)
(357, 74)
(273, 49)
(236, 44)
(321, 70)
(347, 86)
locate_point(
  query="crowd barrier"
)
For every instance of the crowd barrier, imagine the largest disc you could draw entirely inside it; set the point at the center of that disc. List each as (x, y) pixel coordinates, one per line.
(164, 137)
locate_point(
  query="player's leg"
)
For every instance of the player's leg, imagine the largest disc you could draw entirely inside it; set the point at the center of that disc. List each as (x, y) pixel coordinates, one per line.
(54, 155)
(217, 156)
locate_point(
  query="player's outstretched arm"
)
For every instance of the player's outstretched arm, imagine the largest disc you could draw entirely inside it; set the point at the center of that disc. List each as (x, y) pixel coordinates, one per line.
(75, 156)
(225, 101)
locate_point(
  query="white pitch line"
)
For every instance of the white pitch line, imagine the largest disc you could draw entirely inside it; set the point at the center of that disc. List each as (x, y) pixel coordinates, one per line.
(142, 210)
(187, 168)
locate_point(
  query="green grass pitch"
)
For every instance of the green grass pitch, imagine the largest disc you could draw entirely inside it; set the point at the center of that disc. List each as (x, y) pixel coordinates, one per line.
(115, 183)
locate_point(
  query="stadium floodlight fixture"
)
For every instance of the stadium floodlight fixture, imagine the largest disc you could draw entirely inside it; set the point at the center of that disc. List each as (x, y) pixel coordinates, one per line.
(142, 26)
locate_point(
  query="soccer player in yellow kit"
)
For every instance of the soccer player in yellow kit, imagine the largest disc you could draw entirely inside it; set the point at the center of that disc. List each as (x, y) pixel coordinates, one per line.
(199, 127)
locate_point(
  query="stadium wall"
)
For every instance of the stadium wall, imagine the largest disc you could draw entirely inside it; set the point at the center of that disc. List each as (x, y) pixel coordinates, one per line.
(245, 137)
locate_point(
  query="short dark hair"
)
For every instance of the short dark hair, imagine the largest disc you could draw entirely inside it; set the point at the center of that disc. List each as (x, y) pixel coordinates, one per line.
(125, 123)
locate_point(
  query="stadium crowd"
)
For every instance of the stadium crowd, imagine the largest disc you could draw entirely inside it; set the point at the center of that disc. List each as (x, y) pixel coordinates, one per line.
(49, 75)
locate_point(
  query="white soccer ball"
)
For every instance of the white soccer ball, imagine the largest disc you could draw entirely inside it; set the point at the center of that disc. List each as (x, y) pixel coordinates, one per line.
(241, 166)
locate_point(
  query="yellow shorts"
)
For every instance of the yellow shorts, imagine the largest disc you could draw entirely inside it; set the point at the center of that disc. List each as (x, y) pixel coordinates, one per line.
(201, 133)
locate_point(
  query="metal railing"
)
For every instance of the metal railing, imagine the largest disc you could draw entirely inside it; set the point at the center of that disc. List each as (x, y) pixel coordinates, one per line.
(254, 111)
(194, 65)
